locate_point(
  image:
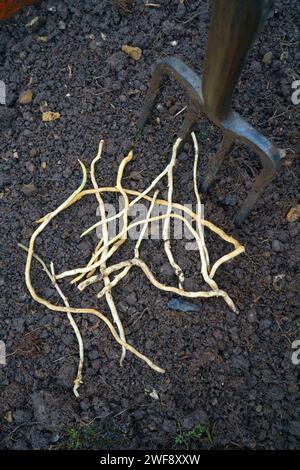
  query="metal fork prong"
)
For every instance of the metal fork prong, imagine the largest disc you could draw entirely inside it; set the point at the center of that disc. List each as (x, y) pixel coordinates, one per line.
(216, 162)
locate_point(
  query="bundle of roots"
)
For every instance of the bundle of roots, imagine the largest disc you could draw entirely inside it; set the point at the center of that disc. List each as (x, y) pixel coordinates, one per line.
(97, 269)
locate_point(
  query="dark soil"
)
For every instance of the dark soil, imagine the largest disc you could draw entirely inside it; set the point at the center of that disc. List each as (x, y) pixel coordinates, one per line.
(233, 375)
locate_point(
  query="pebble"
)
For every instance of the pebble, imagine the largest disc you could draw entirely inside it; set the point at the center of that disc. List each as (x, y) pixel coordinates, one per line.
(54, 438)
(61, 25)
(267, 58)
(35, 24)
(278, 282)
(252, 316)
(181, 305)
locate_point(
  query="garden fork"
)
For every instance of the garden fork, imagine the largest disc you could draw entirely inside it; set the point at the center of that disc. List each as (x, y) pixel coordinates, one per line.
(234, 24)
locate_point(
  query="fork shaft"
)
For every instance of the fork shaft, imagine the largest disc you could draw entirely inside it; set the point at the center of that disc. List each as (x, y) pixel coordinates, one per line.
(234, 24)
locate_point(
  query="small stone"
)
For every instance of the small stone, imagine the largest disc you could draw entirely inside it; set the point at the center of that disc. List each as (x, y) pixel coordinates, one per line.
(28, 189)
(154, 395)
(8, 417)
(54, 438)
(123, 98)
(278, 282)
(252, 317)
(267, 58)
(35, 24)
(44, 165)
(258, 409)
(284, 55)
(25, 97)
(282, 154)
(181, 305)
(276, 246)
(61, 25)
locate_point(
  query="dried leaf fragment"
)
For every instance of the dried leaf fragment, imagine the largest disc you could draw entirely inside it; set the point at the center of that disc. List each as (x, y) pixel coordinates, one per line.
(42, 38)
(293, 214)
(25, 97)
(49, 116)
(134, 52)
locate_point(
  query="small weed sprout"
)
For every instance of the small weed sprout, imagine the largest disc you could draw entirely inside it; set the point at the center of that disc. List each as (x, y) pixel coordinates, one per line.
(196, 434)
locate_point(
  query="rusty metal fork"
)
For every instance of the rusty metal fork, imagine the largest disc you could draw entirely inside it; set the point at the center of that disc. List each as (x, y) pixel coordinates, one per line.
(234, 25)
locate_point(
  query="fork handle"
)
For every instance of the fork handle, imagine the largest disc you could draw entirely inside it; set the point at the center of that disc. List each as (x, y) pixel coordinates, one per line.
(233, 27)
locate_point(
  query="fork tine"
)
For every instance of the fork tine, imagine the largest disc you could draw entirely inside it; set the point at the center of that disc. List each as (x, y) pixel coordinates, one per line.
(216, 161)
